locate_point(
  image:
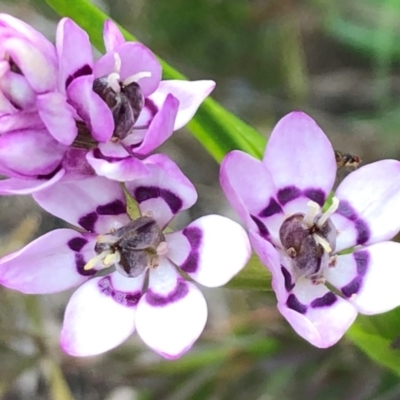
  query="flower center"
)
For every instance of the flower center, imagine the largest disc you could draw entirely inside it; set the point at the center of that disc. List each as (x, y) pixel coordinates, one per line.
(131, 249)
(310, 240)
(124, 98)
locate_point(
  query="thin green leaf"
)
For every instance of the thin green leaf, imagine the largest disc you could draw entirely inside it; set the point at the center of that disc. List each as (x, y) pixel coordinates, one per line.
(217, 129)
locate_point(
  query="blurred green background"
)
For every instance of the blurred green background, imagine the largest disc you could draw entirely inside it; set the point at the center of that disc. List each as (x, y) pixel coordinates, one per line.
(338, 61)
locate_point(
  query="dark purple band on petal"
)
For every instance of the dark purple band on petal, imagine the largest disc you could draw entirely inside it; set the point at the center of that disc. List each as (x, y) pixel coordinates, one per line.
(50, 175)
(88, 221)
(98, 154)
(80, 263)
(363, 231)
(289, 284)
(262, 229)
(77, 243)
(194, 236)
(158, 300)
(116, 207)
(353, 287)
(316, 195)
(325, 301)
(85, 70)
(272, 208)
(151, 106)
(347, 211)
(143, 193)
(362, 259)
(128, 299)
(294, 304)
(288, 194)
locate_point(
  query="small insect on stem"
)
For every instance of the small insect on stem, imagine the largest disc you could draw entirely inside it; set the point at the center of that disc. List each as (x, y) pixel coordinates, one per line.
(347, 160)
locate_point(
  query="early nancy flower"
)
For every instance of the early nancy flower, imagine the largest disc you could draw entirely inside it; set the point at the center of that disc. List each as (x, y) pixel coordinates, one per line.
(31, 146)
(121, 99)
(145, 283)
(301, 238)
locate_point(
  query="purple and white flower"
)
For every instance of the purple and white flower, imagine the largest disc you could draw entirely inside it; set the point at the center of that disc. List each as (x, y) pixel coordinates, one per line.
(302, 238)
(121, 99)
(31, 146)
(147, 286)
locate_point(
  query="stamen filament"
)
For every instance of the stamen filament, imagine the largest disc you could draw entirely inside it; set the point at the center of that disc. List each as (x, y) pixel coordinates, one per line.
(113, 82)
(117, 63)
(312, 211)
(326, 215)
(137, 77)
(96, 260)
(324, 243)
(111, 259)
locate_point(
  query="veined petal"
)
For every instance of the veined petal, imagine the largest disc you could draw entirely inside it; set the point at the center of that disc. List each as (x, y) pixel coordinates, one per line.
(50, 264)
(95, 204)
(17, 89)
(91, 108)
(369, 202)
(15, 186)
(189, 94)
(135, 58)
(74, 53)
(369, 277)
(45, 154)
(57, 116)
(161, 127)
(211, 250)
(249, 187)
(164, 192)
(301, 161)
(112, 36)
(172, 314)
(38, 69)
(317, 314)
(122, 169)
(101, 314)
(20, 121)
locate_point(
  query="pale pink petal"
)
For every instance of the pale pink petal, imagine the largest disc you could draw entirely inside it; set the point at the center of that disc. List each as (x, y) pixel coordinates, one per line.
(369, 202)
(164, 192)
(20, 121)
(15, 186)
(38, 69)
(317, 314)
(50, 264)
(301, 161)
(172, 314)
(91, 108)
(369, 277)
(161, 127)
(249, 187)
(96, 204)
(211, 250)
(189, 94)
(30, 153)
(123, 169)
(17, 89)
(135, 58)
(57, 116)
(101, 314)
(74, 53)
(112, 36)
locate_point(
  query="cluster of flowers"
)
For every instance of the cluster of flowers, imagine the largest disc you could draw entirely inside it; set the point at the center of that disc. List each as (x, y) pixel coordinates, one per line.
(72, 130)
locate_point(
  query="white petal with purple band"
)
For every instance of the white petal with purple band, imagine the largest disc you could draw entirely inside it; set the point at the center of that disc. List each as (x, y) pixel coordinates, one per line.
(369, 278)
(101, 314)
(172, 314)
(96, 204)
(211, 250)
(50, 264)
